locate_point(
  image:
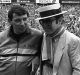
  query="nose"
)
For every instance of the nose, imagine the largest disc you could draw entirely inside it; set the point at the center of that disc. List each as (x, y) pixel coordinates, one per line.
(22, 22)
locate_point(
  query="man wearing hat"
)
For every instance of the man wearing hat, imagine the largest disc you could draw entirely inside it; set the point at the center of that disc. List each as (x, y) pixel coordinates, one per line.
(61, 49)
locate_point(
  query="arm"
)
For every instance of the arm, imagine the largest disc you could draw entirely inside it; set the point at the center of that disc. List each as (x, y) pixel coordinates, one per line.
(75, 56)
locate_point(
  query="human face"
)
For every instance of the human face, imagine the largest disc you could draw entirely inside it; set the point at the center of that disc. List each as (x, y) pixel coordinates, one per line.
(19, 23)
(49, 25)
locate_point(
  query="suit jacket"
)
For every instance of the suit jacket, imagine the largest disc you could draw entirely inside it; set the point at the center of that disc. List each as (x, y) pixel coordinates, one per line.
(66, 57)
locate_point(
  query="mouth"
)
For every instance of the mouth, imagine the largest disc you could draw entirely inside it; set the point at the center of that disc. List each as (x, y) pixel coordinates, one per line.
(20, 28)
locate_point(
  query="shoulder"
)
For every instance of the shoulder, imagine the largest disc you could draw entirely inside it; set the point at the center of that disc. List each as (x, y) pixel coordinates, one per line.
(35, 31)
(71, 36)
(72, 40)
(3, 34)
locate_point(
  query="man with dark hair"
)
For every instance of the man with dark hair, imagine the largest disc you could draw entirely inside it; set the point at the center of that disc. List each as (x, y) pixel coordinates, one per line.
(19, 11)
(61, 49)
(19, 45)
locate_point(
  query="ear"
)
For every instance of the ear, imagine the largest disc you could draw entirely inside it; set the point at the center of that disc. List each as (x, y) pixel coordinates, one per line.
(10, 22)
(60, 20)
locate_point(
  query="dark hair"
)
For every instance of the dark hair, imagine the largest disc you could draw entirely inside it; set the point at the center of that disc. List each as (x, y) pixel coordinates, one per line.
(17, 9)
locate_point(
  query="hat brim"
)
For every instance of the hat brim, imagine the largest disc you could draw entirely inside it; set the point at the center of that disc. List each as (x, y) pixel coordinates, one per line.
(51, 16)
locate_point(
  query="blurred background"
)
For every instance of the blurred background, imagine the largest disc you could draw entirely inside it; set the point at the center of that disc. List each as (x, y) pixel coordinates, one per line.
(72, 17)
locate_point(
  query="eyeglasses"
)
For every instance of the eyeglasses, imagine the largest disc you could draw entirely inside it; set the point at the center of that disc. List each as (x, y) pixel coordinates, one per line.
(47, 20)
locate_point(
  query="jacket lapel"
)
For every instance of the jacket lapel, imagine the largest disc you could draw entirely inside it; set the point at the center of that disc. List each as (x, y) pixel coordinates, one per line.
(59, 53)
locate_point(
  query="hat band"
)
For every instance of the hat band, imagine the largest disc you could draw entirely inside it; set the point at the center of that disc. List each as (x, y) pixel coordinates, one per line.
(50, 12)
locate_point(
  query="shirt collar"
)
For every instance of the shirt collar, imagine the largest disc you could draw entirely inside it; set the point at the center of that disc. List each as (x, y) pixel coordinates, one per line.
(57, 33)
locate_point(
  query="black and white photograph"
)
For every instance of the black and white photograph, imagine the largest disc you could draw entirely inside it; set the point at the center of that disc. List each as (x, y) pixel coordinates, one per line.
(39, 37)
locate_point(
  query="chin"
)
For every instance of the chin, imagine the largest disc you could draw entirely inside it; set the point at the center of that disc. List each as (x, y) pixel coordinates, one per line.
(18, 32)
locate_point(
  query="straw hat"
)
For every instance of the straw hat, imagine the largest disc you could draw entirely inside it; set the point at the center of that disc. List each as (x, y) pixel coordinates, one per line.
(50, 11)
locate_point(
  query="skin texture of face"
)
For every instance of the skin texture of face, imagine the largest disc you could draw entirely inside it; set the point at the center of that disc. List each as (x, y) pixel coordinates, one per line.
(50, 26)
(19, 23)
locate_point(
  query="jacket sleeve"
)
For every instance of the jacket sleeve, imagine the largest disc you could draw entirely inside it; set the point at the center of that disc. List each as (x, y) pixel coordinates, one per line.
(75, 56)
